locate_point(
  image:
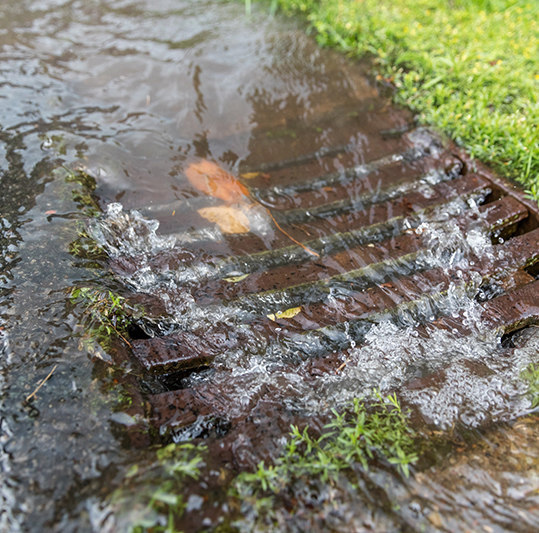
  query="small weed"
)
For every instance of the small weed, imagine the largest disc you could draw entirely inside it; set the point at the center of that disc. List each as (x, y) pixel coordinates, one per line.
(106, 314)
(86, 247)
(531, 375)
(84, 197)
(162, 486)
(351, 438)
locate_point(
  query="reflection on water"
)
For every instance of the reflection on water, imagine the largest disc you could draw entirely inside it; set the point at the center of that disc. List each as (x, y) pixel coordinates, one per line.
(135, 91)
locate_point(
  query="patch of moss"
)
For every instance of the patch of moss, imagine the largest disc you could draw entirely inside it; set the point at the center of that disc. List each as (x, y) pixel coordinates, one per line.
(86, 247)
(83, 196)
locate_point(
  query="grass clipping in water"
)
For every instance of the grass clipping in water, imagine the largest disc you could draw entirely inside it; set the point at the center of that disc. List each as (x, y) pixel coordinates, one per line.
(469, 67)
(352, 438)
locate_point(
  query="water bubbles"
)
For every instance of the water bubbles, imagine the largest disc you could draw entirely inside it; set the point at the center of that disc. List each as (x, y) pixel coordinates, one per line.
(424, 140)
(128, 233)
(426, 190)
(144, 278)
(434, 368)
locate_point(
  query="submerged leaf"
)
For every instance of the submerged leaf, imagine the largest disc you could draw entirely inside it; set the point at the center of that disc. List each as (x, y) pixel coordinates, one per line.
(229, 219)
(250, 175)
(214, 181)
(236, 279)
(288, 313)
(165, 497)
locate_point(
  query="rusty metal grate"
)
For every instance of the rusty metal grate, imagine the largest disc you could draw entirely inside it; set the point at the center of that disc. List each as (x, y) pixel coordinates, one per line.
(371, 257)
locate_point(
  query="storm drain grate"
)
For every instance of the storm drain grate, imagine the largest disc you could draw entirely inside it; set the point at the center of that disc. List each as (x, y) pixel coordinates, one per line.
(400, 240)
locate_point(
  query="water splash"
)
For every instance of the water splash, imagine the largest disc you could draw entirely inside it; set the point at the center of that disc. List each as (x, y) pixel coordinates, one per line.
(128, 234)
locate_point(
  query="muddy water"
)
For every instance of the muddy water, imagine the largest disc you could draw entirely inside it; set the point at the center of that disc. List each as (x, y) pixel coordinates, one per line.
(133, 92)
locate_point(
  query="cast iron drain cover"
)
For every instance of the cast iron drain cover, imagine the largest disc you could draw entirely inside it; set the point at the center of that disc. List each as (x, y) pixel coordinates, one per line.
(403, 239)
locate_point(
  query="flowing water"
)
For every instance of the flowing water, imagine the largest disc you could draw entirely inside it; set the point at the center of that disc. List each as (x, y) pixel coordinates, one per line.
(135, 91)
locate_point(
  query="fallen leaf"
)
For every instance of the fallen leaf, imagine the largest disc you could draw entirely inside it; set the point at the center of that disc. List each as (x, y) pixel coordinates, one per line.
(50, 212)
(250, 175)
(214, 181)
(236, 279)
(288, 313)
(133, 471)
(229, 219)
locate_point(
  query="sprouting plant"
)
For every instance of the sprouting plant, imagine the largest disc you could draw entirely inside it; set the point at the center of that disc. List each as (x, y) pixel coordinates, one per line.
(86, 247)
(106, 313)
(531, 375)
(354, 437)
(532, 192)
(86, 201)
(162, 486)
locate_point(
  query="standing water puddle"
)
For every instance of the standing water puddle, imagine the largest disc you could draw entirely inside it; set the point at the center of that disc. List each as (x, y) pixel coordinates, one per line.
(285, 242)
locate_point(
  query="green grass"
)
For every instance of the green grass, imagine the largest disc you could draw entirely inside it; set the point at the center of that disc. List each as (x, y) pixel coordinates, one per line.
(468, 67)
(352, 439)
(106, 315)
(154, 496)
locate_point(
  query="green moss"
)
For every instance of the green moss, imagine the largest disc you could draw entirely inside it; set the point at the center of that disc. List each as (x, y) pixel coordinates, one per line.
(469, 67)
(84, 246)
(352, 439)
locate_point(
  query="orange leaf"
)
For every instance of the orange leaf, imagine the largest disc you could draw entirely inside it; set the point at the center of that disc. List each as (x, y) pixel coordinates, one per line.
(229, 219)
(214, 181)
